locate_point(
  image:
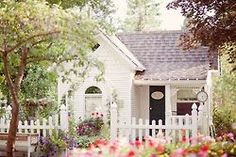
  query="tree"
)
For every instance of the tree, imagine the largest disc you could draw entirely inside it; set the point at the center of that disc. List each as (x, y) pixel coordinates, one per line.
(224, 99)
(99, 10)
(32, 32)
(210, 23)
(142, 15)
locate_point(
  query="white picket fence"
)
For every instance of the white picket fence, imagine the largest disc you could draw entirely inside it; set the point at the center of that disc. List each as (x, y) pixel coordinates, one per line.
(176, 128)
(42, 127)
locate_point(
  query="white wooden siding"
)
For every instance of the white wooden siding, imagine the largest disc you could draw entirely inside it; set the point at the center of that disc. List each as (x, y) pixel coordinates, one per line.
(118, 76)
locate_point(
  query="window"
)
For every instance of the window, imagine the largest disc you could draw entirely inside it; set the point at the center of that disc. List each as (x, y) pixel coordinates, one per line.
(93, 90)
(95, 47)
(186, 95)
(185, 100)
(93, 100)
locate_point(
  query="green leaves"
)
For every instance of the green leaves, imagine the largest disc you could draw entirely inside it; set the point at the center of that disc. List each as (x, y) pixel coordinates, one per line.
(142, 16)
(57, 39)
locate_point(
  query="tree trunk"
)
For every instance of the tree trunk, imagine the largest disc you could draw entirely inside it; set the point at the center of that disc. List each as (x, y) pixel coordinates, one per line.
(14, 90)
(13, 127)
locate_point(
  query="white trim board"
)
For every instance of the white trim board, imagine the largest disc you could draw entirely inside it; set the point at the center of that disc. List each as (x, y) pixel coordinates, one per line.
(171, 82)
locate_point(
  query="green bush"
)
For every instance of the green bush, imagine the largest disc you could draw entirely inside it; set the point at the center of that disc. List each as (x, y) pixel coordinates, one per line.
(224, 99)
(223, 118)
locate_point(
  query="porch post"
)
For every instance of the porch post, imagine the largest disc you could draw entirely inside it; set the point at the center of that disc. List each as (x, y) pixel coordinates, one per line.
(167, 102)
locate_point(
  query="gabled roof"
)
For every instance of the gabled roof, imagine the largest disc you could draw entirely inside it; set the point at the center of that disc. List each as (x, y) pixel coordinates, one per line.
(163, 59)
(123, 51)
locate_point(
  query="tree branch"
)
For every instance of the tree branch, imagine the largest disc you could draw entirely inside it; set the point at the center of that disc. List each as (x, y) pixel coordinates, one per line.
(22, 67)
(30, 38)
(7, 74)
(33, 59)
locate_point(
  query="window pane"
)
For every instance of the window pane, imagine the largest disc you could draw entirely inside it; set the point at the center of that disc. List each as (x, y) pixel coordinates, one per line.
(93, 90)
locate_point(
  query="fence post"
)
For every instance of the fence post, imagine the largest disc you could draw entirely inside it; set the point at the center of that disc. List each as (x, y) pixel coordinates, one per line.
(64, 120)
(113, 129)
(168, 124)
(200, 118)
(194, 120)
(205, 119)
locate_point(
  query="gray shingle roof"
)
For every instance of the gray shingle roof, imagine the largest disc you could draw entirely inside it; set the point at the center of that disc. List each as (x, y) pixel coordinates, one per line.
(163, 58)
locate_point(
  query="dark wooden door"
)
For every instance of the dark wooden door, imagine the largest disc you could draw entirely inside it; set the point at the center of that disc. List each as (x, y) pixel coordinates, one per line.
(156, 105)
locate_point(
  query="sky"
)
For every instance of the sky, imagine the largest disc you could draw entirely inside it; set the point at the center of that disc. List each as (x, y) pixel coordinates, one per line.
(170, 19)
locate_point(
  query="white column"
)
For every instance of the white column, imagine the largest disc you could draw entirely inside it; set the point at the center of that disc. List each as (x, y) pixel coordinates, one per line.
(167, 101)
(174, 100)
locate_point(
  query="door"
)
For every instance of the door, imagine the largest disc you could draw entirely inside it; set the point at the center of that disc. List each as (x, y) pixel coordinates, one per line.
(157, 103)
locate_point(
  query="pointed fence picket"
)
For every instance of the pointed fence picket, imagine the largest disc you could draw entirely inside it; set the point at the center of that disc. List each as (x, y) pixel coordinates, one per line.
(176, 128)
(43, 127)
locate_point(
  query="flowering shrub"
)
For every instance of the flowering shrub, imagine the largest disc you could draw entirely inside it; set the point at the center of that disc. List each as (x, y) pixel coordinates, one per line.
(91, 126)
(58, 142)
(204, 147)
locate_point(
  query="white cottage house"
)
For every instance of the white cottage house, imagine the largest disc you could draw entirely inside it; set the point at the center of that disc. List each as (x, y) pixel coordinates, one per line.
(151, 75)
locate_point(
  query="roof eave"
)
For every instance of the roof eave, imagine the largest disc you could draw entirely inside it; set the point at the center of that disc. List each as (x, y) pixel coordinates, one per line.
(123, 52)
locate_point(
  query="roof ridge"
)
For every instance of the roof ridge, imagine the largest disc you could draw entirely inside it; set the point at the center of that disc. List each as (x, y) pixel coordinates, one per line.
(151, 32)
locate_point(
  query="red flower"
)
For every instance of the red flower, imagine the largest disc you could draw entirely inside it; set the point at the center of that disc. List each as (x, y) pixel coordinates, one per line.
(131, 153)
(204, 148)
(160, 149)
(100, 142)
(184, 139)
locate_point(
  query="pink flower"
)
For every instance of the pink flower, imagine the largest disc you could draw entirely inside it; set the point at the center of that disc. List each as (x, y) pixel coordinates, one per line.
(138, 143)
(230, 136)
(224, 155)
(113, 148)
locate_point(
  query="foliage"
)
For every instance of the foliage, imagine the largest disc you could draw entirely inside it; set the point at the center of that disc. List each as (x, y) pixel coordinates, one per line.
(223, 118)
(57, 142)
(42, 81)
(91, 126)
(115, 99)
(86, 141)
(228, 51)
(99, 10)
(224, 98)
(33, 32)
(2, 112)
(210, 23)
(38, 109)
(204, 147)
(90, 130)
(142, 16)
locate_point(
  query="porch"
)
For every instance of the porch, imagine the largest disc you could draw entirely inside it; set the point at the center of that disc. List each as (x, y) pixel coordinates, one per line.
(156, 100)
